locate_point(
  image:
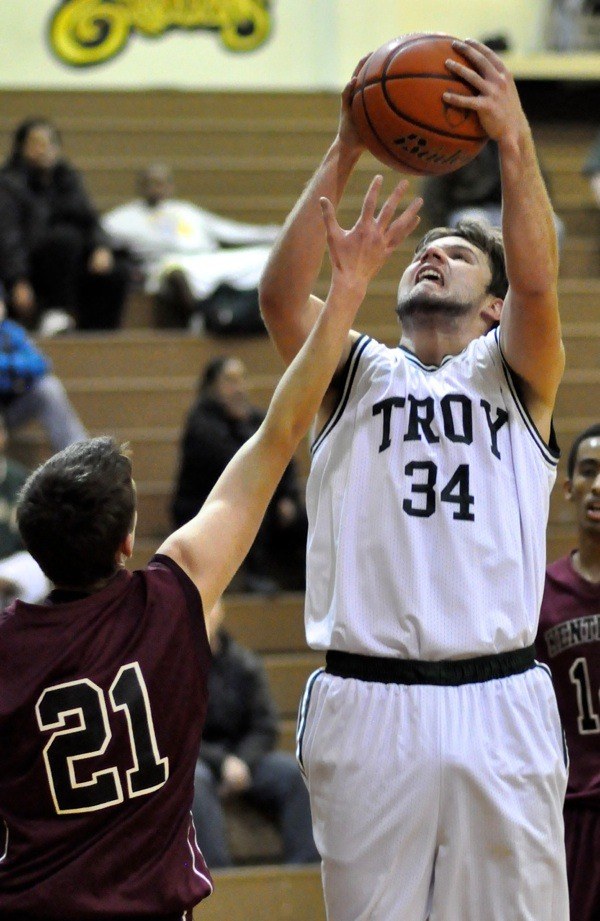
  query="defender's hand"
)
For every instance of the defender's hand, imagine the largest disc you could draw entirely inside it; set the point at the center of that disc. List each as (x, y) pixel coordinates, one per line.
(359, 253)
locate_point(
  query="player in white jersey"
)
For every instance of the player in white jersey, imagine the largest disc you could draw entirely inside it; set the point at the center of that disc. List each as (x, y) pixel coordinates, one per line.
(431, 742)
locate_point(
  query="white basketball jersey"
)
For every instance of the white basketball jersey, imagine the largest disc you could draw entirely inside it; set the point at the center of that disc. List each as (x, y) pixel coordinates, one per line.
(427, 502)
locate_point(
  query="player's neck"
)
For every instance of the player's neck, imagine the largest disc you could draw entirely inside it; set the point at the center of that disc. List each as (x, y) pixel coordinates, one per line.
(89, 589)
(586, 560)
(432, 343)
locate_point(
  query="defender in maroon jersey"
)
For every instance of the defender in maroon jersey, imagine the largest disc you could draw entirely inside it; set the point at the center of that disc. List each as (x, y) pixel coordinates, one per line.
(103, 687)
(569, 642)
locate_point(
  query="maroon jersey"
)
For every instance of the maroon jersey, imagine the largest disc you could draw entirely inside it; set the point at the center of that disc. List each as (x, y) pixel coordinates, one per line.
(569, 642)
(102, 704)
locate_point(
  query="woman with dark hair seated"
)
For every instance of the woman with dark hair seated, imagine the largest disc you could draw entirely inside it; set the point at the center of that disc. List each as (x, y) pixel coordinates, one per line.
(54, 256)
(221, 420)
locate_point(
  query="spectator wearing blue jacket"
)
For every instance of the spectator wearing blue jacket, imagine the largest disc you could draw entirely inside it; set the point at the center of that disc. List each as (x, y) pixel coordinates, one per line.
(30, 391)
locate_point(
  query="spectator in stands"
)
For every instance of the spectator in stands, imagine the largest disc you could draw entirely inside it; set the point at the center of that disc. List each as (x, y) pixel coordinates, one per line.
(237, 756)
(20, 575)
(54, 256)
(591, 169)
(473, 192)
(28, 389)
(572, 26)
(204, 269)
(220, 421)
(569, 642)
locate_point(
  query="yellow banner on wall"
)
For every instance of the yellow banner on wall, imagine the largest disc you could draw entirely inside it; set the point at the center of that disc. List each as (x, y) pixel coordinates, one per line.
(88, 32)
(248, 44)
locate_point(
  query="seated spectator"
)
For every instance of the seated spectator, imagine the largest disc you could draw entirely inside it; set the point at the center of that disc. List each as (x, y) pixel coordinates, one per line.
(220, 421)
(20, 575)
(204, 269)
(237, 756)
(473, 192)
(591, 169)
(28, 389)
(54, 256)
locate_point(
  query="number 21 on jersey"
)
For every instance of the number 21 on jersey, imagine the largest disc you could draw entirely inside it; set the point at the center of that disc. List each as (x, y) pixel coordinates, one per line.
(69, 747)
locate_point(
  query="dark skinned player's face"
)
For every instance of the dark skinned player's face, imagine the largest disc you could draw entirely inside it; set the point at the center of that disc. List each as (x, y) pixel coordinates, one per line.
(583, 490)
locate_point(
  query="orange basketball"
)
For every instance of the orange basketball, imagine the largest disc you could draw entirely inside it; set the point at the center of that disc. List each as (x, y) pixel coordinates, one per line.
(399, 112)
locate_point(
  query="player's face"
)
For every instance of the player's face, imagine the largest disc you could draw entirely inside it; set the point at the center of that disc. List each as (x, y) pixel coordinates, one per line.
(449, 276)
(584, 489)
(231, 389)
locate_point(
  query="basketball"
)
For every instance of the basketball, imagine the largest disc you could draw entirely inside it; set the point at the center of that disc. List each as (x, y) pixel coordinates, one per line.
(399, 113)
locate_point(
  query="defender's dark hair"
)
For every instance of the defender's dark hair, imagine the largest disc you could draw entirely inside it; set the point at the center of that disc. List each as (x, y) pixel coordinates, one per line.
(76, 509)
(592, 432)
(486, 238)
(21, 134)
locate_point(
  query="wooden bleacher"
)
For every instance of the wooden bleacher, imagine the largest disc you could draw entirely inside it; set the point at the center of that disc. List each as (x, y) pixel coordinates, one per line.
(257, 893)
(249, 157)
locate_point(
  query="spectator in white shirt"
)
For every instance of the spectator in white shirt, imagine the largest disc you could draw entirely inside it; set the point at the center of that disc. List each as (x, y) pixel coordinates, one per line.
(191, 258)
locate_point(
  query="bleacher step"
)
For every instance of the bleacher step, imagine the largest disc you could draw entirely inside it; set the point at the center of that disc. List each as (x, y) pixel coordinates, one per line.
(259, 893)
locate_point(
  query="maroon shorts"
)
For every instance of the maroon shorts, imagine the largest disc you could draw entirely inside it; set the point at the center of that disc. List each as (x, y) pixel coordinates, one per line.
(582, 838)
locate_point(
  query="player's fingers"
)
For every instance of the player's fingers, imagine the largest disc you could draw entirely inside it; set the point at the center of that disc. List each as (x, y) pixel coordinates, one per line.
(348, 92)
(356, 70)
(402, 227)
(409, 214)
(329, 218)
(486, 52)
(391, 203)
(475, 56)
(370, 200)
(473, 78)
(462, 102)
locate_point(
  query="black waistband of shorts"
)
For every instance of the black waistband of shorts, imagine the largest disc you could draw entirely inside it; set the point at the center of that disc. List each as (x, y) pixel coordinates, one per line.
(417, 671)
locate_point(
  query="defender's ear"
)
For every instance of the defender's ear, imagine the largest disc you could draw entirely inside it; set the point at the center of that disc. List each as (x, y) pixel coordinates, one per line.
(126, 548)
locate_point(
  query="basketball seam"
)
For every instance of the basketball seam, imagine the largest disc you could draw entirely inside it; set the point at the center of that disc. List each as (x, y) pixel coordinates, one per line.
(433, 76)
(414, 121)
(393, 154)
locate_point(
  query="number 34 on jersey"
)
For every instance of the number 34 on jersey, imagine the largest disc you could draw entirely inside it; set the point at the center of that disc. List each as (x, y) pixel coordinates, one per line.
(422, 476)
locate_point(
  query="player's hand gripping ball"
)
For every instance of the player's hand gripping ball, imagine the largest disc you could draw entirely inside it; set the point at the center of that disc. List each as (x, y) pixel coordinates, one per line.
(398, 109)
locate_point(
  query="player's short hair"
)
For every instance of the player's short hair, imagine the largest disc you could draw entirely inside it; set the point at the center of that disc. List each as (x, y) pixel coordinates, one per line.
(75, 510)
(486, 238)
(592, 432)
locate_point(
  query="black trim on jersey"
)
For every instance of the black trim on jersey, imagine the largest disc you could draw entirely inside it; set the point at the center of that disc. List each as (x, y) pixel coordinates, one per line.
(551, 451)
(302, 712)
(546, 669)
(193, 602)
(346, 379)
(446, 672)
(430, 368)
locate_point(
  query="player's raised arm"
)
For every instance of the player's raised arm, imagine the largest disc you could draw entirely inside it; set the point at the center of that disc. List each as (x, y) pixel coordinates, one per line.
(288, 307)
(530, 331)
(211, 547)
